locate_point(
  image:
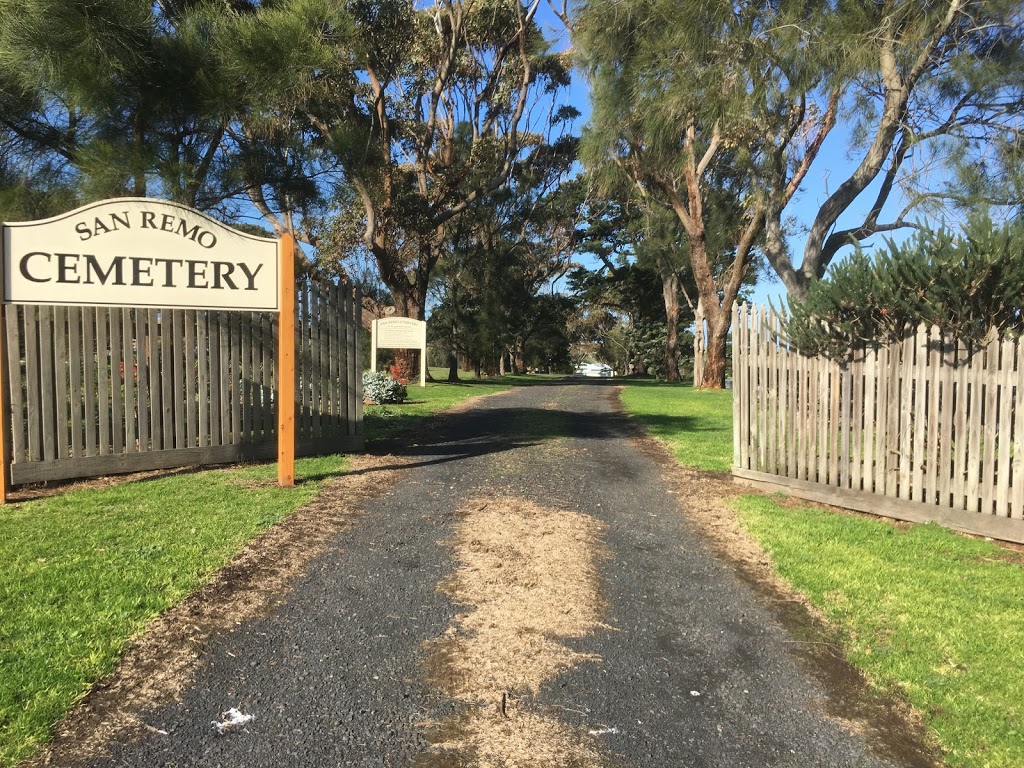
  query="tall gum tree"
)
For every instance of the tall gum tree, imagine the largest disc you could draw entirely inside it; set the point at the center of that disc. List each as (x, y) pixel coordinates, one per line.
(688, 99)
(446, 99)
(930, 90)
(686, 95)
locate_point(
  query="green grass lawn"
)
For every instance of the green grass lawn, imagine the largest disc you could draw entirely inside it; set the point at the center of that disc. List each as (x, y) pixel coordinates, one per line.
(934, 615)
(86, 571)
(696, 424)
(931, 615)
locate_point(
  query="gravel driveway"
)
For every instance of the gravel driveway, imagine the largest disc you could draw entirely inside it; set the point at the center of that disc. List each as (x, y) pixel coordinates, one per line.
(528, 593)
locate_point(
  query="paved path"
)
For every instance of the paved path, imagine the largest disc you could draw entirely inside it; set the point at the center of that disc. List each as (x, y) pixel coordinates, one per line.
(684, 666)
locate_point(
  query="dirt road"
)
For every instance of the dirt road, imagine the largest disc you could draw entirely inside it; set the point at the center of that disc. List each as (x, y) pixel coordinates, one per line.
(527, 591)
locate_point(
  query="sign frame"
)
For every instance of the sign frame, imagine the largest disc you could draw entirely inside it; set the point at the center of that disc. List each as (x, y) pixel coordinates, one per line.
(396, 333)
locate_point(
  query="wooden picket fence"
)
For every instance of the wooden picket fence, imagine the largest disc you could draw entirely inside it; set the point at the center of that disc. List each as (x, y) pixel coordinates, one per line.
(96, 390)
(925, 430)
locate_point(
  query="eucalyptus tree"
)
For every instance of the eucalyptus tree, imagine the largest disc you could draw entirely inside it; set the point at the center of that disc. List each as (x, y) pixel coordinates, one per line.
(687, 97)
(447, 100)
(694, 98)
(933, 95)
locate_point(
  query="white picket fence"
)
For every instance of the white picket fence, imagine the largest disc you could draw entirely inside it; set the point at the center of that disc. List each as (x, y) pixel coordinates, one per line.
(925, 429)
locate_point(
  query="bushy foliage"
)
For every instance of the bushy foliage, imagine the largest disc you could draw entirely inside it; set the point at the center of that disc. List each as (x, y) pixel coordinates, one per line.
(965, 284)
(380, 388)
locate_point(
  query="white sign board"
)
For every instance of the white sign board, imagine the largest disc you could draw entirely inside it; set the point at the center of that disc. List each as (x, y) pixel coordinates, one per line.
(138, 252)
(400, 333)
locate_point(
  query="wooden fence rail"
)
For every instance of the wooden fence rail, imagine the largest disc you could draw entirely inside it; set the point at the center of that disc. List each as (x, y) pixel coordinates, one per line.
(96, 390)
(925, 429)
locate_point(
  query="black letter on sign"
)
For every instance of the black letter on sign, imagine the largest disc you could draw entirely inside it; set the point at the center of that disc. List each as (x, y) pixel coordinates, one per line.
(24, 267)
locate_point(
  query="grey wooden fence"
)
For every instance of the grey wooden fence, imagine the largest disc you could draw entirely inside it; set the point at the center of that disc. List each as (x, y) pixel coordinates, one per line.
(925, 430)
(96, 391)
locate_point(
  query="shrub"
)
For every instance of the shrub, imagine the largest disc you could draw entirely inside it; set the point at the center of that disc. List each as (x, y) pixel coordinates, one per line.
(965, 284)
(379, 387)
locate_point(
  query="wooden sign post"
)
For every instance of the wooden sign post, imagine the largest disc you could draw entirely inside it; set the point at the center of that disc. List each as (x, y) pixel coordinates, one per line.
(5, 449)
(286, 363)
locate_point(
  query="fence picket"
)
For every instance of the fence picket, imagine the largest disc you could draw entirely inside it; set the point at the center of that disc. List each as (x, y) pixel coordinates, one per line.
(117, 404)
(867, 441)
(347, 396)
(131, 371)
(336, 426)
(975, 428)
(918, 377)
(1004, 428)
(154, 391)
(823, 401)
(880, 449)
(60, 378)
(103, 380)
(855, 422)
(315, 406)
(990, 431)
(961, 432)
(1017, 480)
(763, 408)
(76, 350)
(205, 404)
(928, 462)
(234, 370)
(176, 341)
(906, 417)
(323, 381)
(269, 374)
(191, 375)
(941, 423)
(46, 380)
(164, 331)
(355, 376)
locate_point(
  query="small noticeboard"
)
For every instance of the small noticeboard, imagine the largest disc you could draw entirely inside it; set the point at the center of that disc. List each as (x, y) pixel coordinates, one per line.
(400, 333)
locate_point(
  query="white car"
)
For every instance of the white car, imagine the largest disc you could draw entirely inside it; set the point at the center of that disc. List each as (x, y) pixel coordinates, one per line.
(594, 369)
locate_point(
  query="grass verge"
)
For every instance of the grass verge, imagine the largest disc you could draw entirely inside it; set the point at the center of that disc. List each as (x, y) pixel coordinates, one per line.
(696, 424)
(936, 616)
(86, 571)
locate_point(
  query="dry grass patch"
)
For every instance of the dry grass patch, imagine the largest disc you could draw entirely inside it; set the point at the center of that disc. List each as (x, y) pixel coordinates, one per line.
(530, 577)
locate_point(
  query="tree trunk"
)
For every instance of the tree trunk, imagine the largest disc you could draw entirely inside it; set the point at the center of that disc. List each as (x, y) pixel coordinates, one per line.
(670, 293)
(453, 354)
(519, 361)
(718, 319)
(453, 366)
